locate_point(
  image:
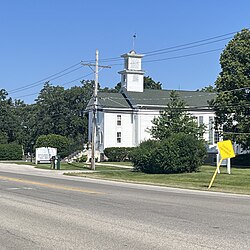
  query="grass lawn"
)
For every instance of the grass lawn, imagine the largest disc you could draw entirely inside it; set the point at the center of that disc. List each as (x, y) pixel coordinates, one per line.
(237, 182)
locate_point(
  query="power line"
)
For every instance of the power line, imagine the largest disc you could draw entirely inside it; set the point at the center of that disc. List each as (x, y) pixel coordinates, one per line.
(44, 79)
(147, 53)
(176, 57)
(236, 133)
(160, 98)
(76, 79)
(40, 82)
(189, 47)
(183, 56)
(79, 78)
(182, 97)
(80, 112)
(145, 111)
(175, 50)
(191, 43)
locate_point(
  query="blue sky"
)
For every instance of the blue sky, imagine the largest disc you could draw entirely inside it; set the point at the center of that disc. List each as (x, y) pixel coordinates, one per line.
(41, 38)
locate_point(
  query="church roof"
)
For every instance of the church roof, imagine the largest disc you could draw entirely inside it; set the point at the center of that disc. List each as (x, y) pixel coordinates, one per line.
(160, 98)
(156, 99)
(110, 100)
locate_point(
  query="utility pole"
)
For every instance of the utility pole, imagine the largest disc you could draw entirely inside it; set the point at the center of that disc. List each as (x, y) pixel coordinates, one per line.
(94, 110)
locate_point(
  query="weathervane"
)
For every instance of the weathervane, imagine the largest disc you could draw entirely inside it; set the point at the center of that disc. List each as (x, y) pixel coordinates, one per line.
(134, 37)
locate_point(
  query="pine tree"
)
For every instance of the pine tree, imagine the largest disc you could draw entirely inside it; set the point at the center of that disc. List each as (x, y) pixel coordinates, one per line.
(175, 119)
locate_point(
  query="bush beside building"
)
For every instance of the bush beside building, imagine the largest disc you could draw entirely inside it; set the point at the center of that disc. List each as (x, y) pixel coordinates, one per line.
(11, 152)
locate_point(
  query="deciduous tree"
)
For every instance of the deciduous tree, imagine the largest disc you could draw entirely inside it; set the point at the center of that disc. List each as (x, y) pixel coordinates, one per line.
(232, 103)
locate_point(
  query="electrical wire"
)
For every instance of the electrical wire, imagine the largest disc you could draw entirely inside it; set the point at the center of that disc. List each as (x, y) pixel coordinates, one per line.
(176, 57)
(236, 133)
(147, 53)
(145, 111)
(41, 83)
(79, 78)
(188, 47)
(182, 97)
(191, 43)
(44, 79)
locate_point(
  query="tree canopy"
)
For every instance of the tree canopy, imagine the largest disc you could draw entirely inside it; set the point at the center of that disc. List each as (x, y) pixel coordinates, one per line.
(232, 103)
(148, 83)
(55, 111)
(208, 89)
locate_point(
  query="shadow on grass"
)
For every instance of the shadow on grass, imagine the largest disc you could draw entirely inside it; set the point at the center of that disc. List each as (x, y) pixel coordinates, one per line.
(241, 167)
(76, 166)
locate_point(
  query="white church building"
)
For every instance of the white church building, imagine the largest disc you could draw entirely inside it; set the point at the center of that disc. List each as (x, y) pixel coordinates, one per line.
(124, 118)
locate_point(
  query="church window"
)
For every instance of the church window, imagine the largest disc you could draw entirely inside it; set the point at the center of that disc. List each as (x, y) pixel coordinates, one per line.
(216, 137)
(119, 120)
(126, 63)
(119, 137)
(201, 122)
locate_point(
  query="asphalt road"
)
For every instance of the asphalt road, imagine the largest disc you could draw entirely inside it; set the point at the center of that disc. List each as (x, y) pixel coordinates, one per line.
(44, 210)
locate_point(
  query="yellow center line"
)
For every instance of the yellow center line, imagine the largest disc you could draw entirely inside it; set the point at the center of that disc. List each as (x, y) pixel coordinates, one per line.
(50, 185)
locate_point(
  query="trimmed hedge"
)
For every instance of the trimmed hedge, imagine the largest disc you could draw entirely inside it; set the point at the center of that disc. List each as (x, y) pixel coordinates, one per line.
(178, 154)
(241, 160)
(11, 152)
(117, 154)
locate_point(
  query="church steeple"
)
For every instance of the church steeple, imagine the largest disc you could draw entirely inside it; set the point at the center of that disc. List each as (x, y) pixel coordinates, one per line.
(132, 75)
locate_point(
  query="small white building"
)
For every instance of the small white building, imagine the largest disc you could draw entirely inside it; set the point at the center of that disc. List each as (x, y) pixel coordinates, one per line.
(124, 119)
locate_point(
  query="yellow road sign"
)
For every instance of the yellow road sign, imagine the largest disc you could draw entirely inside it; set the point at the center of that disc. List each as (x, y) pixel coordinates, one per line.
(226, 149)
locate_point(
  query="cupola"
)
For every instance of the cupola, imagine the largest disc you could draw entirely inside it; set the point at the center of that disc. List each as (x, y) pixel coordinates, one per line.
(132, 75)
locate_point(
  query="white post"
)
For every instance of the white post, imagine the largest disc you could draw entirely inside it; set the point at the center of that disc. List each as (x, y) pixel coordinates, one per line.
(36, 157)
(218, 159)
(229, 166)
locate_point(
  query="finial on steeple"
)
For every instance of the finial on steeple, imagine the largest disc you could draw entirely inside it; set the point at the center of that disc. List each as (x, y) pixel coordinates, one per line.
(134, 37)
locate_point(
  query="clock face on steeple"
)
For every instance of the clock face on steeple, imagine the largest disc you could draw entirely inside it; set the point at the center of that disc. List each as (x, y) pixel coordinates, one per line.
(135, 63)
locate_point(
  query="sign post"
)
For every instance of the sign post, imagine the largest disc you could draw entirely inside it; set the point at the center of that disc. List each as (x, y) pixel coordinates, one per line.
(226, 151)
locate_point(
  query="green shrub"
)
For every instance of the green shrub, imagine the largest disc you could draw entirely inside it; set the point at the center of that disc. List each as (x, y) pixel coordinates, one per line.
(90, 159)
(155, 157)
(3, 138)
(241, 160)
(83, 158)
(117, 154)
(178, 154)
(11, 152)
(192, 151)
